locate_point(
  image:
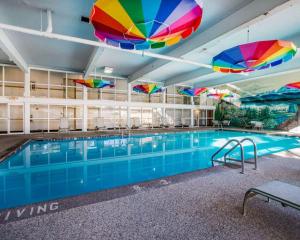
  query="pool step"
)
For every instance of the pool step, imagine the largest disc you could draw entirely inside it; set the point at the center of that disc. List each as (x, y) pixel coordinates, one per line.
(237, 144)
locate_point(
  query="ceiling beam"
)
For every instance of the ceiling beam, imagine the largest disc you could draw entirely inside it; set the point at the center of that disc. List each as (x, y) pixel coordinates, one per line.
(249, 14)
(9, 49)
(92, 64)
(88, 42)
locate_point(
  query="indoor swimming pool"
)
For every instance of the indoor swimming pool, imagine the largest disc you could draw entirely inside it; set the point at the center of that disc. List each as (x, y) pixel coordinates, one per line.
(47, 170)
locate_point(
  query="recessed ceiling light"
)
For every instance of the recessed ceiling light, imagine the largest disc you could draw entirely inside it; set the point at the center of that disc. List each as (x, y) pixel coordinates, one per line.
(108, 70)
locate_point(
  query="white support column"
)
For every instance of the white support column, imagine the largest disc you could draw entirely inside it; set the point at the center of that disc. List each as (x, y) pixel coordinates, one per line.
(192, 112)
(26, 111)
(8, 118)
(85, 110)
(10, 50)
(128, 107)
(27, 85)
(26, 118)
(164, 107)
(3, 79)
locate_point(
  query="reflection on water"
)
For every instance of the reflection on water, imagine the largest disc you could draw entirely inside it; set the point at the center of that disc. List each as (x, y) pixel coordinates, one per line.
(50, 170)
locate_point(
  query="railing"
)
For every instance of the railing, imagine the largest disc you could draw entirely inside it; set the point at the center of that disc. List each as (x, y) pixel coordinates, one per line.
(242, 160)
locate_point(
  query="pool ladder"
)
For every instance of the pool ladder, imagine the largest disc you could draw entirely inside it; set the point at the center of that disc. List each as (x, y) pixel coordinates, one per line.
(242, 160)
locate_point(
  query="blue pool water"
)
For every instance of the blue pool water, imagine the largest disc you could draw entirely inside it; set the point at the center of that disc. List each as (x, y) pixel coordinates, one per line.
(45, 170)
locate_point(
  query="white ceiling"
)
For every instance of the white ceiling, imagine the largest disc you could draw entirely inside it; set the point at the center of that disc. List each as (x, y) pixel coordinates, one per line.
(4, 58)
(283, 23)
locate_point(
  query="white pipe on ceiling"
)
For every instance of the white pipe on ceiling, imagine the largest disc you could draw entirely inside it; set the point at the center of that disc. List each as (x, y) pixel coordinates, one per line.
(49, 17)
(98, 44)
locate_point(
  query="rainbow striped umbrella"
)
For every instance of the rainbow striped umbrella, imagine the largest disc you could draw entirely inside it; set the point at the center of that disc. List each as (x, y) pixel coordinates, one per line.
(150, 88)
(191, 92)
(144, 24)
(94, 83)
(254, 56)
(293, 85)
(217, 96)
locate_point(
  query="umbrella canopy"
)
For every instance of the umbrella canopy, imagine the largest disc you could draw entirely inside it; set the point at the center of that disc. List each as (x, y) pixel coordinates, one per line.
(94, 83)
(144, 24)
(191, 92)
(220, 96)
(293, 85)
(254, 56)
(150, 88)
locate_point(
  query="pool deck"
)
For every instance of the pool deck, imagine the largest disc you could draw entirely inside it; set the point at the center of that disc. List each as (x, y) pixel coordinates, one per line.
(199, 205)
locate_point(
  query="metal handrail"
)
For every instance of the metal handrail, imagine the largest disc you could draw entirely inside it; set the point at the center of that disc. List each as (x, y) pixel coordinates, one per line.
(238, 143)
(254, 150)
(224, 146)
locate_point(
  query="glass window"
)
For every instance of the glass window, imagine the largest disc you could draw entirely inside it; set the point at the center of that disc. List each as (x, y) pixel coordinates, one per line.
(13, 82)
(74, 91)
(16, 118)
(171, 98)
(136, 117)
(57, 85)
(108, 115)
(157, 117)
(74, 115)
(38, 83)
(121, 90)
(147, 117)
(186, 117)
(94, 93)
(1, 80)
(94, 118)
(56, 112)
(3, 118)
(38, 118)
(170, 117)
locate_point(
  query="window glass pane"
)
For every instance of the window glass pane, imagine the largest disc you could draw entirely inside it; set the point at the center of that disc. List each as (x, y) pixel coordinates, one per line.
(14, 82)
(57, 85)
(169, 120)
(75, 91)
(38, 111)
(38, 125)
(94, 93)
(38, 83)
(3, 126)
(108, 117)
(3, 110)
(1, 81)
(186, 117)
(94, 118)
(147, 117)
(3, 118)
(38, 118)
(16, 118)
(136, 117)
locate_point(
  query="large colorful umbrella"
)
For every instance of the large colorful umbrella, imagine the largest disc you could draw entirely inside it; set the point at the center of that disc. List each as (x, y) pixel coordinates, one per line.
(144, 24)
(293, 85)
(94, 83)
(191, 92)
(220, 96)
(149, 88)
(254, 56)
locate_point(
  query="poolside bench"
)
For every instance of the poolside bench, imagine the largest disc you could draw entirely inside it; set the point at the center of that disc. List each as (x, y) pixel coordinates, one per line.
(286, 194)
